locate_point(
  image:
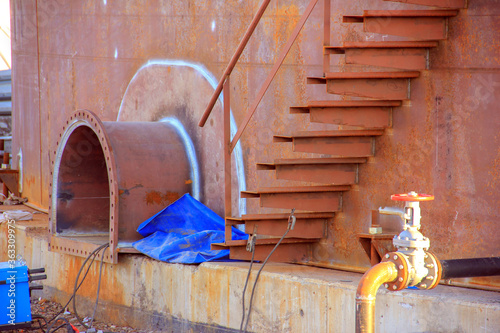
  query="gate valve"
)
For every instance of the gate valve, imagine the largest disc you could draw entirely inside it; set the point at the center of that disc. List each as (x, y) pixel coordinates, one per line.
(418, 269)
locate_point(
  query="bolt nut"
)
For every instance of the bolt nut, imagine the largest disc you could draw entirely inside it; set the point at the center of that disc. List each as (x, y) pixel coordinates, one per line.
(394, 287)
(387, 256)
(386, 285)
(430, 277)
(423, 285)
(400, 279)
(400, 266)
(429, 265)
(395, 257)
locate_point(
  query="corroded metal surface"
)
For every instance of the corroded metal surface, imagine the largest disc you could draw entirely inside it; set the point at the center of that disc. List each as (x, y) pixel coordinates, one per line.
(443, 141)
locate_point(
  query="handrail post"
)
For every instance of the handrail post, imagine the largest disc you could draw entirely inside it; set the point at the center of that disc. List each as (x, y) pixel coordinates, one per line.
(226, 144)
(326, 36)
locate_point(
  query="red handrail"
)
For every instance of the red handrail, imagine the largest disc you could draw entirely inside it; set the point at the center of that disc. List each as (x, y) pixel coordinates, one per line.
(274, 70)
(224, 84)
(234, 60)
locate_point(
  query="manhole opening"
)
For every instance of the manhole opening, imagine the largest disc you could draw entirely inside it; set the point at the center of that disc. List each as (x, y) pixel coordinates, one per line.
(82, 186)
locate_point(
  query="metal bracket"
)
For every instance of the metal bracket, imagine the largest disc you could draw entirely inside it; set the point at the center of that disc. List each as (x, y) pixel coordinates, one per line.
(291, 220)
(252, 239)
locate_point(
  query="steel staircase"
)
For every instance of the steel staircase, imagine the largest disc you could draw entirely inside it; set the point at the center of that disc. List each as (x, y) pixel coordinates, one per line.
(377, 92)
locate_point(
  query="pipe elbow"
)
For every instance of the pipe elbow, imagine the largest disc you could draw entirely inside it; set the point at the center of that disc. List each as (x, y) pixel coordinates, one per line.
(375, 277)
(367, 291)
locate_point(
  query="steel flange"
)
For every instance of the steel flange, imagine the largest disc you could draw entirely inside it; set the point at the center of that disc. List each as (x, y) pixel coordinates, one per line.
(402, 265)
(434, 272)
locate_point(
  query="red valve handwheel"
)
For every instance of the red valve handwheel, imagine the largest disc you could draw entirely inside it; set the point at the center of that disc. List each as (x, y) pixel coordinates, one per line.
(411, 197)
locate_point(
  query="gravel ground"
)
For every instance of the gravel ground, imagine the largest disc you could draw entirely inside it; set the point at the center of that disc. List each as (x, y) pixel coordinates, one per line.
(48, 310)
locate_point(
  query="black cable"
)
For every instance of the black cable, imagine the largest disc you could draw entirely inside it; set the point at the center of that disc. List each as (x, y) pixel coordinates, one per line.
(59, 327)
(39, 318)
(71, 298)
(98, 285)
(291, 223)
(76, 283)
(246, 283)
(67, 324)
(94, 254)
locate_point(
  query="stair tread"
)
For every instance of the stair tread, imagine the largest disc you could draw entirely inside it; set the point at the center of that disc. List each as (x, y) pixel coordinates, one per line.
(316, 80)
(300, 189)
(411, 13)
(436, 3)
(329, 160)
(383, 45)
(406, 13)
(281, 216)
(334, 133)
(354, 104)
(372, 75)
(266, 241)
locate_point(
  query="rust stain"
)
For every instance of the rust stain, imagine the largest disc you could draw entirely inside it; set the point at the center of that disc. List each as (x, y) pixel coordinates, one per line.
(153, 198)
(30, 181)
(158, 198)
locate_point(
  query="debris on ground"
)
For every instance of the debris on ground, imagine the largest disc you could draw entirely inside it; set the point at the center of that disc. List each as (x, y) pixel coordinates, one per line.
(48, 310)
(16, 215)
(13, 200)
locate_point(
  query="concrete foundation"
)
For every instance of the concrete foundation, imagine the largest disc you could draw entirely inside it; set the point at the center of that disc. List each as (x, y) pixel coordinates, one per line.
(148, 294)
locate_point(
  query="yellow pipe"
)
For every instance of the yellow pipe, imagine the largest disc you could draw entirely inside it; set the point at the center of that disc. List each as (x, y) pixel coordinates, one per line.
(367, 292)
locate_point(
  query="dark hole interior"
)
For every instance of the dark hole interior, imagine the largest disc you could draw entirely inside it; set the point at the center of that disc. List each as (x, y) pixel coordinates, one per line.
(83, 187)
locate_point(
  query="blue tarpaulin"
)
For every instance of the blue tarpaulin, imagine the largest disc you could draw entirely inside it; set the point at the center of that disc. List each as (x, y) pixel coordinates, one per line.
(183, 232)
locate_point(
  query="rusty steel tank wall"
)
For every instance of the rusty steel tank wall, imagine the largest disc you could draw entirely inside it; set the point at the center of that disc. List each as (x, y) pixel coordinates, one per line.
(85, 54)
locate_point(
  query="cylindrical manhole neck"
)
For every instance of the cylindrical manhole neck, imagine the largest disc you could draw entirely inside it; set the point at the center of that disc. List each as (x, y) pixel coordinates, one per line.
(108, 177)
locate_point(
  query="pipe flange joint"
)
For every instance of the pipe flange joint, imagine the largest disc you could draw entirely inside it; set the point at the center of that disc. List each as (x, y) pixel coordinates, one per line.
(434, 269)
(402, 265)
